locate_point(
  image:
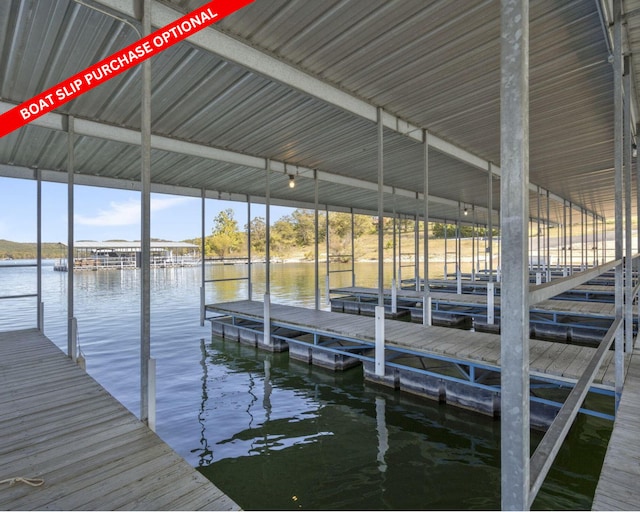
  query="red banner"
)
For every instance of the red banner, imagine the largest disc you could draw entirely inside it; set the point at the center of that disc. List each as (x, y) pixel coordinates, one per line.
(117, 63)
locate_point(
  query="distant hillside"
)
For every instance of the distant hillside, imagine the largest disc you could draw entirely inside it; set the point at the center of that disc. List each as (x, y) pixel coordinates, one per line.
(18, 250)
(21, 251)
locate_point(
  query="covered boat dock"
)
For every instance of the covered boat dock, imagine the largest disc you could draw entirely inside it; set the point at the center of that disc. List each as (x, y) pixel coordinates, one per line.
(502, 115)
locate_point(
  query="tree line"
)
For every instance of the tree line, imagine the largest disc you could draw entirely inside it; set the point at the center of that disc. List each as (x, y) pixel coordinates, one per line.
(297, 230)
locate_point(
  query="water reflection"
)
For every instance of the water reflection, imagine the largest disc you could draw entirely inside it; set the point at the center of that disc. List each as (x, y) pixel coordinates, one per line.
(273, 433)
(314, 439)
(285, 435)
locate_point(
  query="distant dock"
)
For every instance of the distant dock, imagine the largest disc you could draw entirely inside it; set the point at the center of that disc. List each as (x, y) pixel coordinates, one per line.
(59, 425)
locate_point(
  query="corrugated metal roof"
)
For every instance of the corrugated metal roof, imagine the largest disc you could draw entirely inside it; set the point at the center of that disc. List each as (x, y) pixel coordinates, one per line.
(434, 64)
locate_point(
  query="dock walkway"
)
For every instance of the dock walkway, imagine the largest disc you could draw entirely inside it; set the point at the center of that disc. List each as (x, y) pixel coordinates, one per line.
(577, 308)
(559, 360)
(58, 424)
(618, 485)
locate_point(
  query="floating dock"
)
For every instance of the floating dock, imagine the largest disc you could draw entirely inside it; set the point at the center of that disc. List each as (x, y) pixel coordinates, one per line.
(583, 321)
(452, 366)
(59, 425)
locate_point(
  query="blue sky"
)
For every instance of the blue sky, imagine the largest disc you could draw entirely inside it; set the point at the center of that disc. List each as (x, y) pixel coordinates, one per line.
(105, 214)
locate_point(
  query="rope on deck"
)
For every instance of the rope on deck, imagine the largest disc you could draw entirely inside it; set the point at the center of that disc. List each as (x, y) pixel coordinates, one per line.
(33, 482)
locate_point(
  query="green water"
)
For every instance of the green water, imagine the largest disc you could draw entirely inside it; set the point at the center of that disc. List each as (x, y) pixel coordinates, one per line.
(278, 434)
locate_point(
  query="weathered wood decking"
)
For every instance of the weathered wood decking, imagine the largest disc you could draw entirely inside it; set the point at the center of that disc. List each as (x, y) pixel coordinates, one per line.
(553, 359)
(577, 307)
(58, 424)
(618, 487)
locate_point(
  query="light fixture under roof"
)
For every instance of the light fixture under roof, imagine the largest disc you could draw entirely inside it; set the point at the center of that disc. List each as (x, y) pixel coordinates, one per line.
(292, 182)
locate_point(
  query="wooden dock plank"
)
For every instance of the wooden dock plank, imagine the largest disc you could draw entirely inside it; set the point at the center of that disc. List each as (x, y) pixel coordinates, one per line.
(618, 485)
(58, 424)
(554, 359)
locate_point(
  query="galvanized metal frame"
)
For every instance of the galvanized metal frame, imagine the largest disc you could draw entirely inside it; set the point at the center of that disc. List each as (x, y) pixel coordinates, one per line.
(514, 212)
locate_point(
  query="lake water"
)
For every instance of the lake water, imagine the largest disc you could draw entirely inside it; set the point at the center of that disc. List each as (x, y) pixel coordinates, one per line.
(278, 434)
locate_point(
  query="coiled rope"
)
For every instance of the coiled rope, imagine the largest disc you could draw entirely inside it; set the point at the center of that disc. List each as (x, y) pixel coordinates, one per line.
(33, 482)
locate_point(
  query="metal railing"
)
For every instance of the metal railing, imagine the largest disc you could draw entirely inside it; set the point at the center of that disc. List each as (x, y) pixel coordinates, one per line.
(546, 452)
(238, 260)
(39, 303)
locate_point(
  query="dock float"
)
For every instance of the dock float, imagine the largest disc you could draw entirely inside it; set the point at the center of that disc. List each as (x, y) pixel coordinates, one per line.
(448, 365)
(618, 485)
(58, 426)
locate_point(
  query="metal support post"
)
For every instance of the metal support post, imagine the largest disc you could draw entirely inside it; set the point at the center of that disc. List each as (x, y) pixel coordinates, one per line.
(40, 306)
(394, 283)
(426, 301)
(394, 275)
(249, 264)
(618, 185)
(379, 352)
(327, 280)
(628, 261)
(416, 252)
(458, 254)
(548, 248)
(267, 319)
(353, 250)
(316, 275)
(564, 234)
(268, 228)
(570, 246)
(490, 303)
(202, 253)
(473, 244)
(380, 159)
(446, 249)
(489, 248)
(145, 225)
(72, 340)
(152, 394)
(267, 294)
(514, 211)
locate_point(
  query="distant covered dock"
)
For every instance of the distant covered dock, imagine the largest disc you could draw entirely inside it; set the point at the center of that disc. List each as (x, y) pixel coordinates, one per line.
(89, 255)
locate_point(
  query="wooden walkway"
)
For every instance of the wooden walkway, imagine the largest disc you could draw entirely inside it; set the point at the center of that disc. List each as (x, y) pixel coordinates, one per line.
(558, 360)
(58, 424)
(618, 487)
(603, 310)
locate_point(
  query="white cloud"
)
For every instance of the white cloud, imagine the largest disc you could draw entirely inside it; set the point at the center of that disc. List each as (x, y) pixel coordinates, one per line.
(126, 213)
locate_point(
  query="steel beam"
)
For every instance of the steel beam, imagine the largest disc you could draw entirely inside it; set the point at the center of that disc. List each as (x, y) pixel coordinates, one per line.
(88, 128)
(514, 211)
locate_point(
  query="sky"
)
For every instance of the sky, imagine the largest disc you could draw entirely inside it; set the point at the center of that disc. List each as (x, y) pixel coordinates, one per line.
(108, 214)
